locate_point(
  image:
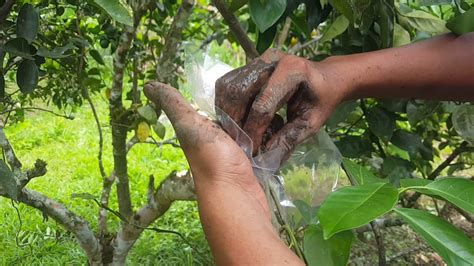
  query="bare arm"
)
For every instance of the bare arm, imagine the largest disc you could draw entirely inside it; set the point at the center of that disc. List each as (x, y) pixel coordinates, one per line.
(441, 68)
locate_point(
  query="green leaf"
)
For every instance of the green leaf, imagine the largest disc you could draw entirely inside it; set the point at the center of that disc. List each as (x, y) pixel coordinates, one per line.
(341, 113)
(463, 122)
(57, 52)
(360, 174)
(148, 113)
(434, 2)
(97, 57)
(307, 212)
(426, 22)
(351, 207)
(266, 13)
(27, 23)
(386, 20)
(353, 146)
(414, 182)
(339, 25)
(462, 23)
(18, 47)
(344, 7)
(27, 76)
(265, 39)
(333, 251)
(400, 36)
(449, 242)
(458, 191)
(420, 110)
(396, 169)
(410, 142)
(381, 123)
(159, 129)
(118, 10)
(8, 181)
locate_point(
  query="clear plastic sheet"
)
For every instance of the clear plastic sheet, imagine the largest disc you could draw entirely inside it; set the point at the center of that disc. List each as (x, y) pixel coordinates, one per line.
(307, 177)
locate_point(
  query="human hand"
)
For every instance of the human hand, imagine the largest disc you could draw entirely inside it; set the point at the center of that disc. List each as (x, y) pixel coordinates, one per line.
(212, 155)
(252, 95)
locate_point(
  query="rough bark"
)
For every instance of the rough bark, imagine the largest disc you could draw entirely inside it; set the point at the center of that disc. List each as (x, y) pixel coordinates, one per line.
(165, 69)
(173, 188)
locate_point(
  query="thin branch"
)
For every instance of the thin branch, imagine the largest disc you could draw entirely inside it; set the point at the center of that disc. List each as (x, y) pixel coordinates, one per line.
(164, 70)
(300, 47)
(283, 34)
(69, 117)
(411, 201)
(10, 155)
(236, 28)
(5, 10)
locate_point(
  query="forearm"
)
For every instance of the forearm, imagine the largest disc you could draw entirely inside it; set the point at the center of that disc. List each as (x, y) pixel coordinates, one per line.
(237, 226)
(441, 68)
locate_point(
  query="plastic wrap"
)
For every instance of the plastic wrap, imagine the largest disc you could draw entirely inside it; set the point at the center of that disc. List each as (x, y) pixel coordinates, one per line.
(310, 173)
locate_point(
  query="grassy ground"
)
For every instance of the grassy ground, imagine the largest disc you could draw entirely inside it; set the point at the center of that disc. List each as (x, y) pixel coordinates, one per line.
(70, 149)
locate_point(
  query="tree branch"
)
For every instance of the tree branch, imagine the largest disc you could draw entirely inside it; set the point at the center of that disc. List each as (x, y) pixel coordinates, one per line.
(236, 28)
(5, 10)
(165, 69)
(462, 148)
(173, 188)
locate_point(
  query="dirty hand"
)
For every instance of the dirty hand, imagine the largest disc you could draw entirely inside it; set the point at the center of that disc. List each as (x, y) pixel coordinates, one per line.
(253, 94)
(211, 153)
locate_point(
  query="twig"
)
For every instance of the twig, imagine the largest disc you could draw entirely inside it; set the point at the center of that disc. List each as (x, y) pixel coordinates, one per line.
(283, 34)
(298, 48)
(462, 148)
(69, 117)
(236, 28)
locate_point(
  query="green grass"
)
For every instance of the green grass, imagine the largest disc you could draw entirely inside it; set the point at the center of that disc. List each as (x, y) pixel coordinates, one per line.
(70, 149)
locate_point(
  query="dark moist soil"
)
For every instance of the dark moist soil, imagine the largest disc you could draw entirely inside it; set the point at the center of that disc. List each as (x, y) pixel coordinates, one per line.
(403, 245)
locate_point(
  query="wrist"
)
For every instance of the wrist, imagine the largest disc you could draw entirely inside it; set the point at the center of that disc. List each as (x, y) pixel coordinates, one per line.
(344, 75)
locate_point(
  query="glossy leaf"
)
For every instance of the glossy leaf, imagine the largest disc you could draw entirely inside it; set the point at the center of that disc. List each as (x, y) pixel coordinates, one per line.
(458, 191)
(97, 57)
(426, 22)
(339, 25)
(333, 251)
(344, 7)
(351, 207)
(27, 23)
(118, 10)
(266, 12)
(18, 47)
(360, 174)
(381, 123)
(411, 182)
(8, 181)
(27, 76)
(449, 242)
(462, 23)
(400, 36)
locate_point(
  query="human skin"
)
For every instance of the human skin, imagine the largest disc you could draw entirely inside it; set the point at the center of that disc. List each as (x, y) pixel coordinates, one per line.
(441, 68)
(232, 205)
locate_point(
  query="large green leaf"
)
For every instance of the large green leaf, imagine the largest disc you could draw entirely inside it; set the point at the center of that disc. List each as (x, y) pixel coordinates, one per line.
(18, 47)
(381, 123)
(339, 25)
(266, 12)
(448, 241)
(463, 23)
(27, 76)
(360, 174)
(118, 10)
(351, 207)
(333, 251)
(27, 23)
(8, 181)
(411, 182)
(426, 22)
(458, 191)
